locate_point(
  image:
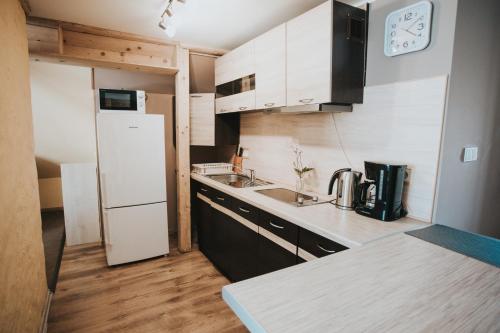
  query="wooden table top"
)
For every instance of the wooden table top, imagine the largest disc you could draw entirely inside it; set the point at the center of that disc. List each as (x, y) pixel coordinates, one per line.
(396, 284)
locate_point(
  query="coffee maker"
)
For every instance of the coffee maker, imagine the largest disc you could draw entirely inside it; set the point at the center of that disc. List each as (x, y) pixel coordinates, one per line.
(380, 196)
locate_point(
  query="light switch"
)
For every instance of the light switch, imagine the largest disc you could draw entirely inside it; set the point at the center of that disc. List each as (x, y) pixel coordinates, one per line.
(470, 154)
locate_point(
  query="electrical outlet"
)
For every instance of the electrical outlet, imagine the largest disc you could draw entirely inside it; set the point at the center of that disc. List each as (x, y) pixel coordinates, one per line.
(469, 154)
(245, 153)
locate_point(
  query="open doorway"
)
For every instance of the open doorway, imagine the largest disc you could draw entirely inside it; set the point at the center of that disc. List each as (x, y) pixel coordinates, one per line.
(64, 122)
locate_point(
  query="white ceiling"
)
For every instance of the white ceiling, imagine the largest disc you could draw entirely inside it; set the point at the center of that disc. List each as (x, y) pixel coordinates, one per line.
(220, 24)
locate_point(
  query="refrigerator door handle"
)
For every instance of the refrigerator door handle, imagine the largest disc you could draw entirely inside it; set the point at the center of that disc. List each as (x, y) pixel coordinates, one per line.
(103, 190)
(107, 238)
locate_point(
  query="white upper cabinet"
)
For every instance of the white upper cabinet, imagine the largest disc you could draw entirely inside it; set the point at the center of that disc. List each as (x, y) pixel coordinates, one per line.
(236, 64)
(202, 117)
(270, 68)
(309, 51)
(241, 102)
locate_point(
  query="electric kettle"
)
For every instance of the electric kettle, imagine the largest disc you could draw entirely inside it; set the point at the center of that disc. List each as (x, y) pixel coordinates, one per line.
(347, 186)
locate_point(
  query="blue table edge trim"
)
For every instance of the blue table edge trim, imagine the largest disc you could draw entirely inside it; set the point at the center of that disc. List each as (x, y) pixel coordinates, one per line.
(245, 317)
(480, 256)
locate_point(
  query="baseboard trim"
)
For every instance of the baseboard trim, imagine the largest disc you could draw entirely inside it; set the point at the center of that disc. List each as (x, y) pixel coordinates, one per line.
(45, 314)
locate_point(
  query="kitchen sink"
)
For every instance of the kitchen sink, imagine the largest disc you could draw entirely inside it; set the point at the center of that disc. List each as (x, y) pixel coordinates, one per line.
(237, 180)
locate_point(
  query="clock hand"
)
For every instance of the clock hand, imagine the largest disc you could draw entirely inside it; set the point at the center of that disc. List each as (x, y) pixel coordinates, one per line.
(411, 25)
(408, 31)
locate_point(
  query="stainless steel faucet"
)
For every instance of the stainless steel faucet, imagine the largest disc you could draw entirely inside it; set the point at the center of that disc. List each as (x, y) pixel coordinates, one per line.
(251, 173)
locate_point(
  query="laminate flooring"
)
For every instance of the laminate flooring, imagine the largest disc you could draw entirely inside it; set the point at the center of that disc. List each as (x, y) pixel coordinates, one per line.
(177, 293)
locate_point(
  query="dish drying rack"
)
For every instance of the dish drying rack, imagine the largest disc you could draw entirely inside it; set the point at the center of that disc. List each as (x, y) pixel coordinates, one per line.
(212, 168)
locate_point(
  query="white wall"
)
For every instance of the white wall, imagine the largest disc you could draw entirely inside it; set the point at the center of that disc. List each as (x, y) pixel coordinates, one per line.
(399, 123)
(434, 60)
(468, 193)
(63, 121)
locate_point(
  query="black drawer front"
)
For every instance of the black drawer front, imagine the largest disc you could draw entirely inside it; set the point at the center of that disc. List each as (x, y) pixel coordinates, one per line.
(245, 210)
(204, 189)
(317, 245)
(281, 228)
(220, 198)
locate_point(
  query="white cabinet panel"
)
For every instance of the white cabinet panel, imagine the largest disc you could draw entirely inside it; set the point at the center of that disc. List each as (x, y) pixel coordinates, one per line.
(309, 49)
(135, 233)
(270, 68)
(81, 204)
(225, 104)
(238, 63)
(202, 115)
(241, 102)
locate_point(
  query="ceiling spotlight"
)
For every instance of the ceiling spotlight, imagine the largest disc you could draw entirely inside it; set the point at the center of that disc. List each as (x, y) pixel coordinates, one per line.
(170, 30)
(167, 21)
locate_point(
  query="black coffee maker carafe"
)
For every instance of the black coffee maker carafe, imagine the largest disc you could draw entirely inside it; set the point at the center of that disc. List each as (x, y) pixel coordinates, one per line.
(380, 196)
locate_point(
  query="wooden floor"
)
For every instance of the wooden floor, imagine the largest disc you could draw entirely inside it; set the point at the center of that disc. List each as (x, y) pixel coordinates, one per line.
(178, 293)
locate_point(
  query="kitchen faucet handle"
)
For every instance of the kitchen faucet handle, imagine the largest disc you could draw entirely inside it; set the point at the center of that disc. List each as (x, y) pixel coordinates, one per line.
(252, 174)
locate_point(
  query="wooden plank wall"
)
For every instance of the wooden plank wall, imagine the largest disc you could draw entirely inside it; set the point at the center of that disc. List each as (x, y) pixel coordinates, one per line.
(23, 291)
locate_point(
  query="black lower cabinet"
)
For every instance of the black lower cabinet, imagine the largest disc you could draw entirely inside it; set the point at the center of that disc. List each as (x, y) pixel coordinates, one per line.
(272, 257)
(220, 242)
(234, 247)
(205, 227)
(238, 251)
(243, 252)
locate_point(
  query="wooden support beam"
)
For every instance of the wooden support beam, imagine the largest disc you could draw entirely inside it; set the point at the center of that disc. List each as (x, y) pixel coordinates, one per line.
(204, 51)
(182, 150)
(71, 43)
(69, 26)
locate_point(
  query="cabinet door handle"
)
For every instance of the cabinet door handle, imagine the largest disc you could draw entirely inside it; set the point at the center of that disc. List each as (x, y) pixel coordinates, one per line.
(220, 199)
(203, 189)
(306, 100)
(243, 108)
(276, 226)
(269, 104)
(244, 210)
(325, 250)
(196, 96)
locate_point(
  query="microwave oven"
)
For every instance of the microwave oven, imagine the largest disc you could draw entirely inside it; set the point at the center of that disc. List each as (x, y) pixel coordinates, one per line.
(115, 100)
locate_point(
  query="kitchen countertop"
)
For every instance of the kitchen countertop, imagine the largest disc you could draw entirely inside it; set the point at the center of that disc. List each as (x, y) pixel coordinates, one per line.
(396, 284)
(344, 227)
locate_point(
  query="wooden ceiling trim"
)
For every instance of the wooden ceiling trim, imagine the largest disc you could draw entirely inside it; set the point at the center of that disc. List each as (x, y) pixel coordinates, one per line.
(71, 43)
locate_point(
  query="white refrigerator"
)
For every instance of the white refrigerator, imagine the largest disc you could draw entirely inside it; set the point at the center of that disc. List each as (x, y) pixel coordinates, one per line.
(131, 150)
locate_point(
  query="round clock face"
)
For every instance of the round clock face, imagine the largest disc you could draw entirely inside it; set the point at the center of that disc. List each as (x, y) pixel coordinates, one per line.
(408, 29)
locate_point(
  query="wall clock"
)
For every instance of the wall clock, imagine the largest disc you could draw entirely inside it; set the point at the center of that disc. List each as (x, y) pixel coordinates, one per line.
(408, 29)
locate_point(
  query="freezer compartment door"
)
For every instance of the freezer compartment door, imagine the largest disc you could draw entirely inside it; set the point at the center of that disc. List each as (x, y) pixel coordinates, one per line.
(135, 233)
(131, 159)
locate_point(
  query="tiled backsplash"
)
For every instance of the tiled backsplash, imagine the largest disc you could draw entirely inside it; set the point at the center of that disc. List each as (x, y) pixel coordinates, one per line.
(399, 122)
